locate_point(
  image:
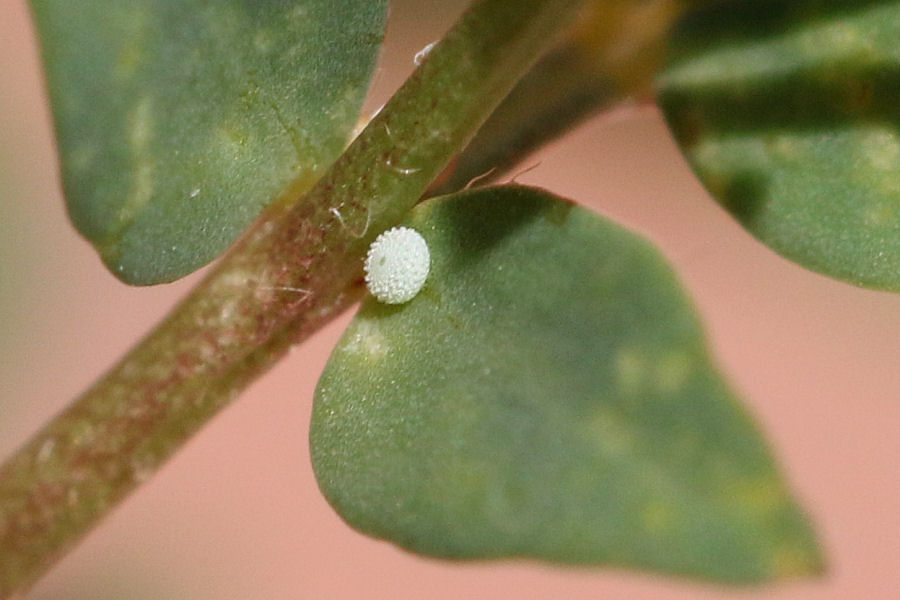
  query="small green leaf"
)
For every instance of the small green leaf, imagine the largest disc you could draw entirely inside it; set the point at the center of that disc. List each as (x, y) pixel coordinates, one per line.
(178, 122)
(789, 113)
(548, 394)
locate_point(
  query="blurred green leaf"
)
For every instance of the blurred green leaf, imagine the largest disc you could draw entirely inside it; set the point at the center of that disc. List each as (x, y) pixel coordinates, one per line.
(789, 112)
(178, 122)
(548, 394)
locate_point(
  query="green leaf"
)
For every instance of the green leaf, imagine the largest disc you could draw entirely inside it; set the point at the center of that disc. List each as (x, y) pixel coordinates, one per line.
(548, 394)
(789, 113)
(178, 122)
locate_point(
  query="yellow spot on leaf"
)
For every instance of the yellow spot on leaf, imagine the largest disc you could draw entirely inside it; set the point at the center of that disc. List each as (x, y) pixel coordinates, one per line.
(610, 433)
(657, 518)
(762, 495)
(630, 371)
(672, 372)
(795, 560)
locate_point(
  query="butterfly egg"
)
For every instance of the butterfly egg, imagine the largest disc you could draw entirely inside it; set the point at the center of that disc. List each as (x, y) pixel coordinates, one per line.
(397, 265)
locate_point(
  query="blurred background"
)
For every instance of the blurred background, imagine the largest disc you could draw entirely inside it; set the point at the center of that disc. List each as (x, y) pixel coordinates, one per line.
(236, 514)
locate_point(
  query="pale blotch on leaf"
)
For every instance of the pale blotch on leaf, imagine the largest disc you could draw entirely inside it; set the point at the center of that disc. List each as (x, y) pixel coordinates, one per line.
(792, 561)
(761, 495)
(367, 342)
(657, 517)
(140, 134)
(672, 372)
(82, 157)
(630, 371)
(609, 431)
(262, 41)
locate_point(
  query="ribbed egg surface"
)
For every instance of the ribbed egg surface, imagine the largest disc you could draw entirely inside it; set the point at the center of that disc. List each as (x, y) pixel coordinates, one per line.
(397, 265)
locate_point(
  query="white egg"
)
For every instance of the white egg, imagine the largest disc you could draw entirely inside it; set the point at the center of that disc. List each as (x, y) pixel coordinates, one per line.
(397, 265)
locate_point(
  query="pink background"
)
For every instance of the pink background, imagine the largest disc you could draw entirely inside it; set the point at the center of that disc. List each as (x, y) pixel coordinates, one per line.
(236, 514)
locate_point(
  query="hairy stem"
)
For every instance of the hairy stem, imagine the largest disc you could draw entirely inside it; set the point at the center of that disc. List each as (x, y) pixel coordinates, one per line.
(296, 268)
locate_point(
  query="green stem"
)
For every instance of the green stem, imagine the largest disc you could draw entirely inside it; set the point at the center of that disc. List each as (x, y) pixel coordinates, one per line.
(563, 89)
(294, 270)
(611, 56)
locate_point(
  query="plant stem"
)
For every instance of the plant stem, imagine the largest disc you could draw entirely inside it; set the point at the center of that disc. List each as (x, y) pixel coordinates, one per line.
(611, 56)
(296, 268)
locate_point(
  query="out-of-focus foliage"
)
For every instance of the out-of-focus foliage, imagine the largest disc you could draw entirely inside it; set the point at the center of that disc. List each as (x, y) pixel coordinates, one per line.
(789, 113)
